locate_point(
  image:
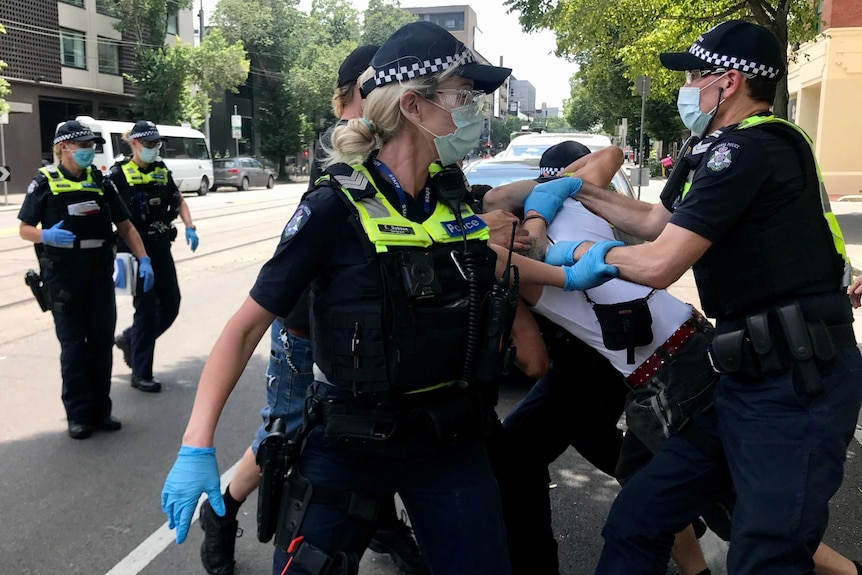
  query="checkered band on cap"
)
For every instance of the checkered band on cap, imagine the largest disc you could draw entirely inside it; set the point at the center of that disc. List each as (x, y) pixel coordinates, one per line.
(733, 62)
(73, 136)
(136, 135)
(549, 171)
(411, 67)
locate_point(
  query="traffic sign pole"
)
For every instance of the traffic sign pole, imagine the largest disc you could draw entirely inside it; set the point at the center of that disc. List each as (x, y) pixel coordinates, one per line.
(3, 160)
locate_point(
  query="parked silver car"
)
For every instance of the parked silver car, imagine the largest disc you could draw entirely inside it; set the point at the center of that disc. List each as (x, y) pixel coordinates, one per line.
(241, 173)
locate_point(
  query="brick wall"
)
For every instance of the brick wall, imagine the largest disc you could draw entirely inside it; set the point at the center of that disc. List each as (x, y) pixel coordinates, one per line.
(842, 13)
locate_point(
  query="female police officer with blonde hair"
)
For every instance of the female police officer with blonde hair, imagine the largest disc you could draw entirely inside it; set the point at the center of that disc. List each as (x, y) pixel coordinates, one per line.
(76, 206)
(390, 410)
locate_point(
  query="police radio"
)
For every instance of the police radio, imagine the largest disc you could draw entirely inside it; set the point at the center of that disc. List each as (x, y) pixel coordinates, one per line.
(489, 350)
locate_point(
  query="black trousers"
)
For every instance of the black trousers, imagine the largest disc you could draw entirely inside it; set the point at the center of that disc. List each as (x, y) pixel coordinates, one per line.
(578, 403)
(85, 315)
(155, 310)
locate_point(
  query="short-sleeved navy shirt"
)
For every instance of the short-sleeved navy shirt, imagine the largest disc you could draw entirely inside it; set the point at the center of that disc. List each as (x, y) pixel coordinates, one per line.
(34, 209)
(317, 240)
(746, 174)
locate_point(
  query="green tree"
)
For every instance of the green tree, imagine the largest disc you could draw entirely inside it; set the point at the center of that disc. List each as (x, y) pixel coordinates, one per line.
(336, 21)
(274, 33)
(502, 130)
(635, 31)
(4, 85)
(382, 18)
(166, 76)
(214, 67)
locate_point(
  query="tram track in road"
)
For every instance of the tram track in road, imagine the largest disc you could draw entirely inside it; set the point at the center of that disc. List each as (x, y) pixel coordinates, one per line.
(274, 222)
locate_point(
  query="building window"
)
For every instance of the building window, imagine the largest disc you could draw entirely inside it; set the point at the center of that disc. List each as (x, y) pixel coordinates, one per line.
(109, 57)
(78, 3)
(107, 7)
(818, 10)
(73, 49)
(172, 24)
(452, 21)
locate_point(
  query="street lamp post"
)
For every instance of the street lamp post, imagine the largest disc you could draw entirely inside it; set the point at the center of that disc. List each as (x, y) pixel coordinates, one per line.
(641, 87)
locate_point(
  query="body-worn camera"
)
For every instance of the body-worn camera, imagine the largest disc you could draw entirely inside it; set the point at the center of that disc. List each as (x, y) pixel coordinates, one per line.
(419, 275)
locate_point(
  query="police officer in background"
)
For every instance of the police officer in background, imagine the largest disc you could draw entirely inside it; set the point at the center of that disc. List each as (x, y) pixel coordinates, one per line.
(154, 201)
(767, 259)
(388, 411)
(76, 206)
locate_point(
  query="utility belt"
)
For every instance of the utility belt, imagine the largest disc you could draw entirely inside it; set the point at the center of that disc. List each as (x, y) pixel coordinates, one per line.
(159, 232)
(777, 339)
(645, 371)
(446, 415)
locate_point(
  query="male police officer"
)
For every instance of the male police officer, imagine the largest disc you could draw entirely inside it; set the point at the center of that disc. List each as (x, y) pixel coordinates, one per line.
(76, 206)
(768, 264)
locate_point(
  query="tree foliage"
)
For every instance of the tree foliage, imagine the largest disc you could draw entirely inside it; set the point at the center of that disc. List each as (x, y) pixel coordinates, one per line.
(382, 18)
(176, 83)
(4, 85)
(633, 32)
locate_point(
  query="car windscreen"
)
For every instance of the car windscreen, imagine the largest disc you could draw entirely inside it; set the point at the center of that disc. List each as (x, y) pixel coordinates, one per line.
(498, 175)
(224, 164)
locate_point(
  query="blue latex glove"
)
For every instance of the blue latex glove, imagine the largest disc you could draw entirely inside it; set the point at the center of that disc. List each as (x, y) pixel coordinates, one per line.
(547, 198)
(57, 236)
(192, 239)
(195, 472)
(562, 253)
(591, 270)
(145, 271)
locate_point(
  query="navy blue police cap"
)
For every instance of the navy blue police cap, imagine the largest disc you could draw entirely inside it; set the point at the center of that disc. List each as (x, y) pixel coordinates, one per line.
(146, 131)
(355, 64)
(556, 158)
(732, 45)
(75, 131)
(422, 48)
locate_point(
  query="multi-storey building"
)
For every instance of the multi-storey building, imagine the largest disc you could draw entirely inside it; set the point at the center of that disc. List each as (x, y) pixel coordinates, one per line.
(461, 22)
(824, 83)
(522, 97)
(65, 59)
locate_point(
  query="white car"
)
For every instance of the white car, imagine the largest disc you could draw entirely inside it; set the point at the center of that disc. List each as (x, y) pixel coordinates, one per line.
(533, 145)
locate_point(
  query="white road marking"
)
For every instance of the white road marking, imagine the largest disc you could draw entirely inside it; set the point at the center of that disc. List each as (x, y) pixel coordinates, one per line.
(152, 547)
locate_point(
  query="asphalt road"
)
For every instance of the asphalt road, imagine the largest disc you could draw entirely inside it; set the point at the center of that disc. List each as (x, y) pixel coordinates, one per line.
(92, 507)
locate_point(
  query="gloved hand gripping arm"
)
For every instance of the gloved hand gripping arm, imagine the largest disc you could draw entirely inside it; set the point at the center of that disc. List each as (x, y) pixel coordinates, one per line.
(588, 272)
(547, 198)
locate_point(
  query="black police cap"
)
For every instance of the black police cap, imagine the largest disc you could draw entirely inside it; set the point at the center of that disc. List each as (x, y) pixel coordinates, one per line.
(75, 131)
(146, 131)
(557, 157)
(422, 48)
(355, 64)
(733, 45)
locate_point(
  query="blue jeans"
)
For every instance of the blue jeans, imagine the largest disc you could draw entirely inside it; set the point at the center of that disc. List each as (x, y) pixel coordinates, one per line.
(288, 376)
(448, 490)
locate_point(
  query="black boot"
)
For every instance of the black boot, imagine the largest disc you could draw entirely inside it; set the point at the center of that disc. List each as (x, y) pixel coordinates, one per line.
(396, 540)
(219, 544)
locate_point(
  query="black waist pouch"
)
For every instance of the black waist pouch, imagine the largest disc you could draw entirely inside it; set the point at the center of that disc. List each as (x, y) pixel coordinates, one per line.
(626, 325)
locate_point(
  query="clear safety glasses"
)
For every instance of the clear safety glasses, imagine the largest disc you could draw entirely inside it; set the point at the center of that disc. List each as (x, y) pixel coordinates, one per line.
(455, 98)
(157, 145)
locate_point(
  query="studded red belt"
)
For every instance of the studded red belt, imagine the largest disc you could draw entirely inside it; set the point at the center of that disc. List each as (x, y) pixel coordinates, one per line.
(665, 351)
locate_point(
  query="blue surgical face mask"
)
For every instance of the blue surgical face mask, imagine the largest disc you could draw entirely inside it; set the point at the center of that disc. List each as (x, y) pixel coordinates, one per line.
(84, 157)
(148, 155)
(688, 105)
(468, 121)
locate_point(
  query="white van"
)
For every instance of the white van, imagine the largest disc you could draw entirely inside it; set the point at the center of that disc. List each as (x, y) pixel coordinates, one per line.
(533, 145)
(185, 152)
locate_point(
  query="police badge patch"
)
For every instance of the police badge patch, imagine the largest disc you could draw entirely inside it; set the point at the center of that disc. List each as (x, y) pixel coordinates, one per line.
(720, 159)
(300, 217)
